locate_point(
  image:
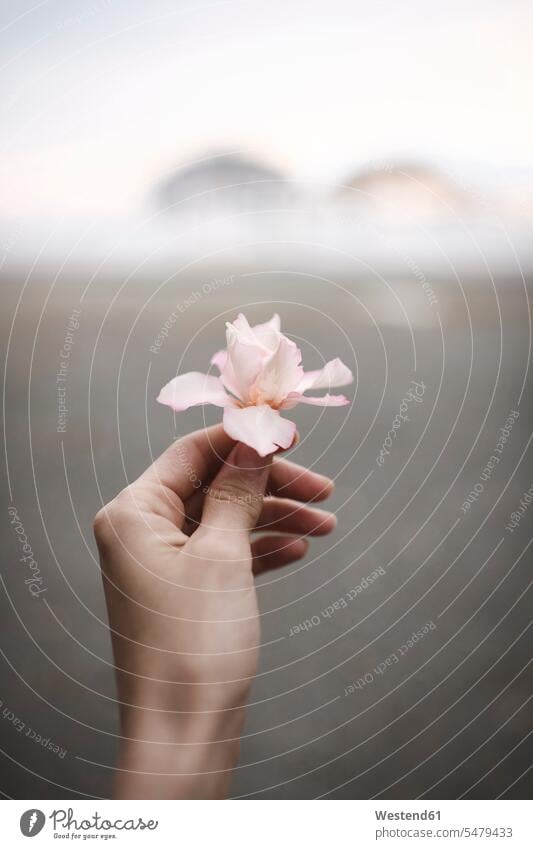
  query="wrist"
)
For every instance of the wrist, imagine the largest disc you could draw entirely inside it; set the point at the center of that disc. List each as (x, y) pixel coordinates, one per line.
(177, 755)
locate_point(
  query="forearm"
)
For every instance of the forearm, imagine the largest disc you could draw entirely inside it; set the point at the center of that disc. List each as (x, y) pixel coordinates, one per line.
(181, 715)
(177, 756)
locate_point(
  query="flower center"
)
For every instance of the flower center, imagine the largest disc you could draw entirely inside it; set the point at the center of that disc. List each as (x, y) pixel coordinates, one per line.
(257, 398)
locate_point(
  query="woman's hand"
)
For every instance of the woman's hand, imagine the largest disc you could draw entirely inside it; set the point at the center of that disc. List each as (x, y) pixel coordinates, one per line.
(178, 564)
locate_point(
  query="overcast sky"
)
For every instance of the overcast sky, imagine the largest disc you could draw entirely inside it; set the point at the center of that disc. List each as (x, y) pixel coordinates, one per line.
(101, 98)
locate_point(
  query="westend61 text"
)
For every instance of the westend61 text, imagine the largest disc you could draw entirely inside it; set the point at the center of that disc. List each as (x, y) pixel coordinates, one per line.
(407, 815)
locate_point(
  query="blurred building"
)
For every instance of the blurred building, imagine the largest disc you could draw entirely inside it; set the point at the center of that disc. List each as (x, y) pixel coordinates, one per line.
(223, 183)
(406, 191)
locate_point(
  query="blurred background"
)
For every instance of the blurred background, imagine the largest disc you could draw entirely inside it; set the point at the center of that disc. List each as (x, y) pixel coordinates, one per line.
(366, 171)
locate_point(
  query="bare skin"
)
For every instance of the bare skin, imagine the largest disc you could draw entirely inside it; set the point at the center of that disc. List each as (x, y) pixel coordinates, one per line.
(179, 552)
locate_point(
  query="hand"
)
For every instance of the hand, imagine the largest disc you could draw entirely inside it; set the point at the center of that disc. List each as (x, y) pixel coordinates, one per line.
(178, 566)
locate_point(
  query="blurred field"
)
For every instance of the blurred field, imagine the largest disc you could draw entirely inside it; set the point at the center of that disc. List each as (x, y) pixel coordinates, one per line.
(452, 715)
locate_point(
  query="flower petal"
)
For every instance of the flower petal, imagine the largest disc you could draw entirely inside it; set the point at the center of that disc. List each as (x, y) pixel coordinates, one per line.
(273, 324)
(219, 359)
(193, 388)
(268, 334)
(264, 337)
(334, 373)
(261, 428)
(325, 401)
(241, 368)
(281, 374)
(240, 330)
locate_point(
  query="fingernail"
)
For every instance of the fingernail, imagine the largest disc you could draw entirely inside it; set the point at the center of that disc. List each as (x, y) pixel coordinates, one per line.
(301, 544)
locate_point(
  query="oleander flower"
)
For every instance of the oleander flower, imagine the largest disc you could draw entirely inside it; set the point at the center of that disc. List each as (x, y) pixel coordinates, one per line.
(260, 373)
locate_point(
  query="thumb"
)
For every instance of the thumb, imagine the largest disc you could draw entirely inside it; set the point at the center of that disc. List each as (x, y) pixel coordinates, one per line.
(234, 499)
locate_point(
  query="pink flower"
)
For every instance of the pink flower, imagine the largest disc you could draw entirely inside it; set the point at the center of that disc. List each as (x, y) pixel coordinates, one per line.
(260, 374)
